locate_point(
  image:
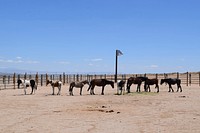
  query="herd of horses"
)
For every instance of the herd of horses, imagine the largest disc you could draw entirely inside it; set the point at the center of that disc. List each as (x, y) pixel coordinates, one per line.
(103, 82)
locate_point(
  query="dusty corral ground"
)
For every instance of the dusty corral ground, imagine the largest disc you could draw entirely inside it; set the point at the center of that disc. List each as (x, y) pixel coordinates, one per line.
(136, 112)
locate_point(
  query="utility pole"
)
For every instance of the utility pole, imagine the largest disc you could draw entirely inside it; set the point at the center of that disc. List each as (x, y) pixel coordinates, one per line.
(118, 53)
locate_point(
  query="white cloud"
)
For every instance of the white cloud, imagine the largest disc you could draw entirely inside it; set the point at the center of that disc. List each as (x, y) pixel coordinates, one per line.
(64, 62)
(18, 57)
(98, 59)
(90, 64)
(18, 61)
(154, 66)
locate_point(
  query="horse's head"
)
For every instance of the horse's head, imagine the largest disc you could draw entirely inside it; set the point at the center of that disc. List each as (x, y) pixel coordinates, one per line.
(162, 81)
(112, 84)
(86, 82)
(48, 82)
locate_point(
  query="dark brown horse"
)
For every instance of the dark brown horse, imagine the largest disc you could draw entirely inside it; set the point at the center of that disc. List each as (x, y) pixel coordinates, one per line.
(99, 82)
(171, 82)
(120, 86)
(133, 80)
(55, 84)
(149, 82)
(77, 85)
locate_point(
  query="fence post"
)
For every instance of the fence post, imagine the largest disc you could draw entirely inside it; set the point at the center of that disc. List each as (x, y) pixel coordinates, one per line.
(41, 79)
(187, 78)
(177, 75)
(67, 78)
(25, 76)
(36, 78)
(156, 76)
(190, 79)
(14, 80)
(77, 77)
(199, 78)
(4, 81)
(47, 78)
(63, 78)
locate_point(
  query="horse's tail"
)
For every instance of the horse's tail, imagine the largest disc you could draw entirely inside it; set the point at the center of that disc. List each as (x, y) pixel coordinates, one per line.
(32, 82)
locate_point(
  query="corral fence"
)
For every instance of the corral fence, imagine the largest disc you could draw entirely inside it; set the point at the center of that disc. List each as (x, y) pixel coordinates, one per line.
(9, 81)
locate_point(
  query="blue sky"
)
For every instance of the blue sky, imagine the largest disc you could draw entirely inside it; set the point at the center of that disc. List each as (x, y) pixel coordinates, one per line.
(81, 36)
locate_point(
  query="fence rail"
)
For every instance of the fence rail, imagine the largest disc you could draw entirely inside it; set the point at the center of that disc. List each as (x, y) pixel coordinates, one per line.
(9, 81)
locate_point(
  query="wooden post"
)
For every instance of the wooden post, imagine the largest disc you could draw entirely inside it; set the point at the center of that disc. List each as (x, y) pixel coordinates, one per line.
(177, 75)
(187, 78)
(67, 78)
(14, 80)
(190, 79)
(24, 76)
(4, 81)
(199, 78)
(77, 77)
(46, 78)
(41, 80)
(63, 78)
(36, 78)
(156, 76)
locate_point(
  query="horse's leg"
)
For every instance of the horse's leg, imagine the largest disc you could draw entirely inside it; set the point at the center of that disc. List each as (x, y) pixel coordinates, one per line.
(170, 86)
(32, 90)
(121, 89)
(128, 87)
(71, 91)
(138, 88)
(177, 88)
(81, 90)
(25, 89)
(180, 88)
(149, 88)
(53, 90)
(102, 93)
(93, 91)
(59, 89)
(157, 86)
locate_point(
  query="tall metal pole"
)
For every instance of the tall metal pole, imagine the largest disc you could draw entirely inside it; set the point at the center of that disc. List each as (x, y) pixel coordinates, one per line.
(116, 67)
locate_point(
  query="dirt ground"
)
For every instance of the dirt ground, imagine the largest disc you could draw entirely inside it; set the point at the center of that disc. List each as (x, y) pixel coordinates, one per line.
(136, 112)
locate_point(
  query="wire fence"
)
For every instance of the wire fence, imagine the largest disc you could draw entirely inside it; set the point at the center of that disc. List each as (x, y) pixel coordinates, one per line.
(9, 81)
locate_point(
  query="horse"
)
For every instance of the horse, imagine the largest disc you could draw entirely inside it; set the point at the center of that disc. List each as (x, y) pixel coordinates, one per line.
(143, 80)
(149, 82)
(171, 82)
(120, 86)
(55, 84)
(77, 85)
(99, 82)
(133, 80)
(27, 83)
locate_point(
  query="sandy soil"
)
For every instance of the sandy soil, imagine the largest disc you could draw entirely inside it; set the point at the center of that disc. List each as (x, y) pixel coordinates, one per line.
(136, 112)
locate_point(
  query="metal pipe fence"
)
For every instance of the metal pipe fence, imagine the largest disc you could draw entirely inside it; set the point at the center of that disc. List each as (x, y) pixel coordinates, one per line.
(9, 81)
